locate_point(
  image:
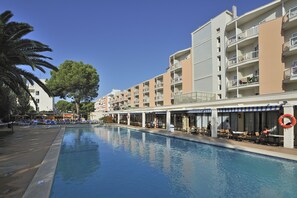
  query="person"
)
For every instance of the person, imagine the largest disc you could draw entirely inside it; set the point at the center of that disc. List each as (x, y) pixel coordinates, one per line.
(264, 135)
(208, 126)
(265, 131)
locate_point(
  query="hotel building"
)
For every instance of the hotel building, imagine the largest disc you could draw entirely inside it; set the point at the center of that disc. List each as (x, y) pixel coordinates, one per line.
(241, 69)
(44, 102)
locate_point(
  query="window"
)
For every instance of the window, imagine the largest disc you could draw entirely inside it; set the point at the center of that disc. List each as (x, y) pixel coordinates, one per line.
(37, 93)
(37, 100)
(218, 30)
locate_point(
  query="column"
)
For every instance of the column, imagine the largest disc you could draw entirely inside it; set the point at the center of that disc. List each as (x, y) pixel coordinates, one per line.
(128, 119)
(214, 122)
(119, 118)
(143, 120)
(168, 114)
(289, 132)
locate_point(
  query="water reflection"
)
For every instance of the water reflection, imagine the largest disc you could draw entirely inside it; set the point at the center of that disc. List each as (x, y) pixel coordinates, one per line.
(197, 170)
(78, 146)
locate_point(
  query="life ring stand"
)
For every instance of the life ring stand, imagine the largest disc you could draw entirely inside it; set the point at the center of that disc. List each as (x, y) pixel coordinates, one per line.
(291, 117)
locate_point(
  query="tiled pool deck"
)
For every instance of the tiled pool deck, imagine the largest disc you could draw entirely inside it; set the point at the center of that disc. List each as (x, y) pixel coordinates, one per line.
(28, 157)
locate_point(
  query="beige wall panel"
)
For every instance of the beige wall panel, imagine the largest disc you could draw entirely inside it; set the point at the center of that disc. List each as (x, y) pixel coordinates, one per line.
(140, 95)
(132, 97)
(167, 88)
(271, 67)
(152, 92)
(187, 76)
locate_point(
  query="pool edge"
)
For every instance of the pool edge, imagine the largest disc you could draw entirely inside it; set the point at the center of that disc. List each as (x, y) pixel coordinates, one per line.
(42, 181)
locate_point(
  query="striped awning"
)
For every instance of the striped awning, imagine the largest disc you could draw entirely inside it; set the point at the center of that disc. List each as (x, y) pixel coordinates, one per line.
(200, 111)
(249, 109)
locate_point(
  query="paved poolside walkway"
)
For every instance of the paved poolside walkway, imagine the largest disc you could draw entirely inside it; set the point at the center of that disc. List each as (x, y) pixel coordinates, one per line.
(21, 154)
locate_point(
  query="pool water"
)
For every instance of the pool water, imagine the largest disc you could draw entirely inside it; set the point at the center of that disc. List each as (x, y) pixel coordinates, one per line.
(119, 162)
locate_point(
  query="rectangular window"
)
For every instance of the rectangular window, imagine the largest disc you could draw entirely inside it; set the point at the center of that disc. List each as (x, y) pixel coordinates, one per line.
(37, 100)
(37, 93)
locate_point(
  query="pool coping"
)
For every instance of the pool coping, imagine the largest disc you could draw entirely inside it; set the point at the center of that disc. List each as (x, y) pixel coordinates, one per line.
(42, 181)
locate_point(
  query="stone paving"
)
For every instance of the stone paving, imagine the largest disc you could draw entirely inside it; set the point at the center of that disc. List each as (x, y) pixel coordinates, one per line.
(21, 154)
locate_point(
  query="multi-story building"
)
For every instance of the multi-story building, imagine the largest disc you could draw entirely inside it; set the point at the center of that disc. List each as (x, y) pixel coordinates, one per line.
(44, 102)
(248, 63)
(162, 89)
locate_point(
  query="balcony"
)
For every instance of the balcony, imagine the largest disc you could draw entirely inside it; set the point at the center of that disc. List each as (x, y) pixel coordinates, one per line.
(176, 80)
(146, 100)
(136, 93)
(290, 47)
(290, 74)
(159, 98)
(244, 82)
(250, 56)
(248, 33)
(175, 66)
(146, 89)
(290, 19)
(232, 61)
(129, 94)
(159, 85)
(136, 101)
(176, 93)
(231, 40)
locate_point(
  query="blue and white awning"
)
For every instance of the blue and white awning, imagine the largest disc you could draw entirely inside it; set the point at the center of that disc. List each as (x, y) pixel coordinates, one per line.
(249, 109)
(200, 111)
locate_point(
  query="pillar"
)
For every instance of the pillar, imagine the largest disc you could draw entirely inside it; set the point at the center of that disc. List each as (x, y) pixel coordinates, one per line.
(289, 132)
(128, 119)
(214, 122)
(119, 118)
(168, 120)
(143, 120)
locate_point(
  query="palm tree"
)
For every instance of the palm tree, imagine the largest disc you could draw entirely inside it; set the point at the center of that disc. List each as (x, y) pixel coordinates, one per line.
(16, 52)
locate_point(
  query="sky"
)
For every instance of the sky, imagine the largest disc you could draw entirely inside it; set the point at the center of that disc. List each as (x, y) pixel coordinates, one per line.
(127, 41)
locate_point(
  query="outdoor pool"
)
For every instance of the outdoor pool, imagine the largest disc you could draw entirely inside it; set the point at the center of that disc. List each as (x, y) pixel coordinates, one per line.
(119, 162)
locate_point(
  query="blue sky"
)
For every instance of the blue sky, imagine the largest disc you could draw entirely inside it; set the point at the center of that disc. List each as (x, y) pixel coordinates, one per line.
(126, 41)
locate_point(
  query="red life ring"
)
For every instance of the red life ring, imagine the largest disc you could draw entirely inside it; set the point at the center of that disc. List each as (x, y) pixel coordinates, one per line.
(292, 118)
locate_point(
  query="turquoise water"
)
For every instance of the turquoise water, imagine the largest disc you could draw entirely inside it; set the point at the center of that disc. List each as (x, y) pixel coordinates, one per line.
(118, 162)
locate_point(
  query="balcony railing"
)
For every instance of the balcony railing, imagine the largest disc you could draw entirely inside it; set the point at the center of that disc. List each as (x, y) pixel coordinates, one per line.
(146, 89)
(290, 73)
(292, 12)
(136, 93)
(176, 66)
(248, 33)
(246, 81)
(177, 79)
(248, 56)
(146, 100)
(290, 44)
(158, 98)
(136, 101)
(232, 61)
(176, 93)
(231, 40)
(159, 85)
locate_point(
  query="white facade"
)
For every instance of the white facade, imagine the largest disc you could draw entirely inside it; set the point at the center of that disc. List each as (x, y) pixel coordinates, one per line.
(208, 56)
(44, 102)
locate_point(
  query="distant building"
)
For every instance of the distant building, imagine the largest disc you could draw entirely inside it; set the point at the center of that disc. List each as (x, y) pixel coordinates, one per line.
(102, 105)
(44, 102)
